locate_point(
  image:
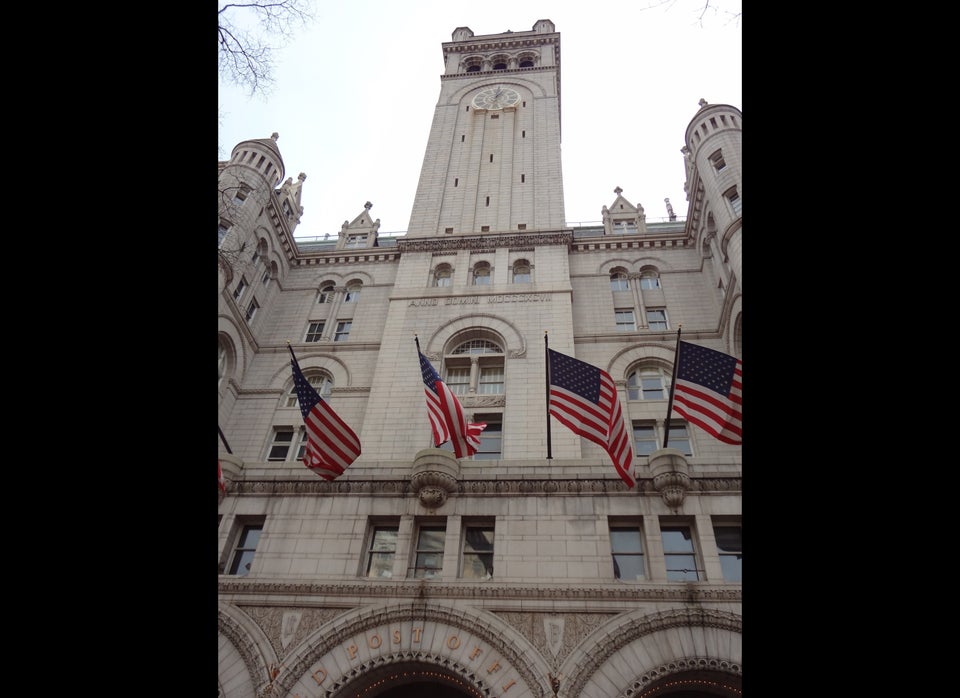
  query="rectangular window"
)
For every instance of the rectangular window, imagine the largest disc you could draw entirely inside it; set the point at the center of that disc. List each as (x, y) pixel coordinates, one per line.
(265, 279)
(252, 309)
(280, 445)
(645, 438)
(314, 331)
(301, 443)
(679, 437)
(238, 291)
(716, 159)
(222, 229)
(521, 226)
(491, 380)
(242, 555)
(626, 546)
(485, 228)
(679, 554)
(428, 557)
(625, 320)
(356, 241)
(476, 560)
(649, 282)
(730, 547)
(657, 319)
(287, 210)
(343, 331)
(381, 551)
(458, 380)
(491, 438)
(241, 194)
(734, 198)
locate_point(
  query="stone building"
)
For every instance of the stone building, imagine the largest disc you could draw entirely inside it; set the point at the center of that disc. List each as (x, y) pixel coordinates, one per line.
(508, 573)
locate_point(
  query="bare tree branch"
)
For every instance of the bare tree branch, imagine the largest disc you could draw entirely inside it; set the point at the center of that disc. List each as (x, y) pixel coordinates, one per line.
(248, 34)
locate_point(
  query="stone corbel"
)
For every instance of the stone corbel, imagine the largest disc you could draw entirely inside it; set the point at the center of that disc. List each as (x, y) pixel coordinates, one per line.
(670, 475)
(434, 476)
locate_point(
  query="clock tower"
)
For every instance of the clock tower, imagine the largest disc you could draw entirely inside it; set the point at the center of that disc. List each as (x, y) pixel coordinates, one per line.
(492, 162)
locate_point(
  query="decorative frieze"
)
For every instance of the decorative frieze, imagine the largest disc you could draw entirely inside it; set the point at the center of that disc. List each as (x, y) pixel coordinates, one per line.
(485, 242)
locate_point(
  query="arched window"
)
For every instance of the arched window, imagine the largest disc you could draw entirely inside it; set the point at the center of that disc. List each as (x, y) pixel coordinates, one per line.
(443, 275)
(481, 274)
(521, 272)
(649, 279)
(475, 366)
(473, 64)
(326, 294)
(321, 382)
(353, 292)
(648, 383)
(618, 280)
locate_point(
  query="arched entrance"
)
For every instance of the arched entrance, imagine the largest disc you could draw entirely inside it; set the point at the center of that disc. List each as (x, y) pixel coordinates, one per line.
(695, 684)
(418, 679)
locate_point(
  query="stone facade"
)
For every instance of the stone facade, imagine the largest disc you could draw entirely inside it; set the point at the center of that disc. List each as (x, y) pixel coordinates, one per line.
(554, 615)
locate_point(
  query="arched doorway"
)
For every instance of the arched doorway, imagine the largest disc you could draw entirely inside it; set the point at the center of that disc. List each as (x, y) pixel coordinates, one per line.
(418, 679)
(695, 684)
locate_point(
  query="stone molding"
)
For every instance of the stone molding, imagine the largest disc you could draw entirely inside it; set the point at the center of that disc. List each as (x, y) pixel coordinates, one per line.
(477, 243)
(466, 488)
(252, 658)
(413, 589)
(678, 666)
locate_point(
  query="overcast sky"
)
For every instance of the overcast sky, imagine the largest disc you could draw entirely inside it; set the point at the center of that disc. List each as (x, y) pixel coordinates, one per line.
(356, 90)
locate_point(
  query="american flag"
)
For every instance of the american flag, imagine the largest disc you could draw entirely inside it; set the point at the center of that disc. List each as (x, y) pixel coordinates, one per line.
(221, 484)
(331, 444)
(708, 391)
(584, 399)
(446, 414)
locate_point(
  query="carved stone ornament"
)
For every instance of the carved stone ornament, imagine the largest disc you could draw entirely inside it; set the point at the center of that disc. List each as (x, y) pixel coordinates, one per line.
(670, 475)
(435, 475)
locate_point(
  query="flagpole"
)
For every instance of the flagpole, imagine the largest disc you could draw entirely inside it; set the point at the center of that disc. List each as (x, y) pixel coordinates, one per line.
(224, 439)
(291, 350)
(417, 340)
(546, 354)
(673, 383)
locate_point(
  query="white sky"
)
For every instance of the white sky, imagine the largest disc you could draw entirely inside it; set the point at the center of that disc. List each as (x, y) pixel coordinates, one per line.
(355, 92)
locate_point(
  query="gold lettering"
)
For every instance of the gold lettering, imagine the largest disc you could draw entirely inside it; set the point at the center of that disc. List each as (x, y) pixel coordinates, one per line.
(476, 651)
(493, 667)
(507, 687)
(453, 642)
(416, 634)
(352, 651)
(321, 679)
(396, 636)
(370, 641)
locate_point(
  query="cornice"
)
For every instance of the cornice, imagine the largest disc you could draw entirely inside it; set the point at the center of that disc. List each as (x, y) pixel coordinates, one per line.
(482, 488)
(624, 242)
(415, 589)
(480, 242)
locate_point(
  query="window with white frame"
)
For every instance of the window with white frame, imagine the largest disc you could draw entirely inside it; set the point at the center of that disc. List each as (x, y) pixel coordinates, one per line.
(679, 437)
(321, 382)
(247, 539)
(314, 331)
(625, 320)
(458, 380)
(521, 272)
(491, 438)
(443, 275)
(657, 319)
(679, 553)
(428, 555)
(281, 444)
(353, 292)
(647, 383)
(252, 309)
(382, 550)
(327, 292)
(356, 241)
(476, 555)
(343, 331)
(716, 159)
(619, 280)
(730, 549)
(626, 547)
(481, 274)
(490, 380)
(734, 198)
(241, 287)
(645, 439)
(649, 279)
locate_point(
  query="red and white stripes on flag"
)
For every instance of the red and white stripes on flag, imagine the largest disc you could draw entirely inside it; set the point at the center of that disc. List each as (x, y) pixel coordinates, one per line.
(331, 444)
(584, 399)
(220, 481)
(709, 391)
(445, 412)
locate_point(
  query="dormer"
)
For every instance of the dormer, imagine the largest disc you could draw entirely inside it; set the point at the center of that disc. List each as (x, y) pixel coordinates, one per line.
(623, 218)
(361, 233)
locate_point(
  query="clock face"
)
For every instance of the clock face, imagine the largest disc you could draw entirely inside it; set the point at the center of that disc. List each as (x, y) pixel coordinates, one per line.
(496, 98)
